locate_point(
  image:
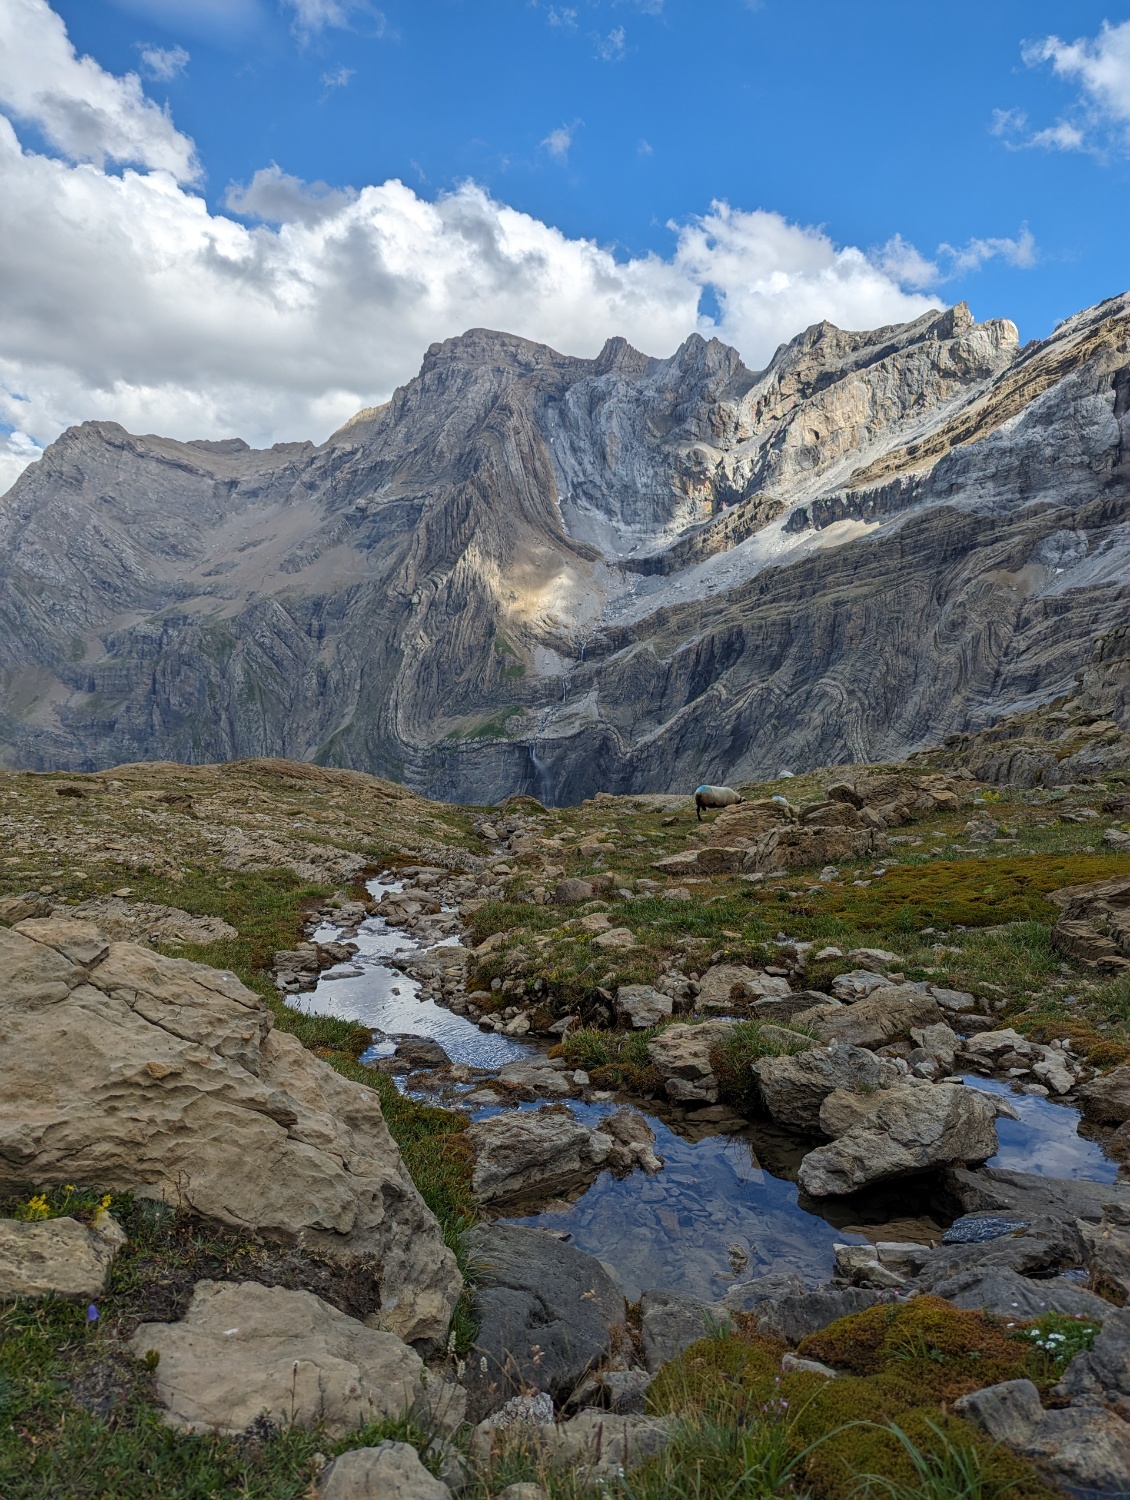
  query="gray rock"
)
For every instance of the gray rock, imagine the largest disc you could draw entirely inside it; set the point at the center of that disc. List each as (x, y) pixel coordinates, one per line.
(885, 1015)
(626, 1390)
(390, 1471)
(546, 1314)
(243, 1351)
(911, 1131)
(640, 1005)
(735, 986)
(975, 1229)
(422, 1052)
(57, 1257)
(748, 1296)
(857, 984)
(798, 1314)
(1008, 1294)
(1105, 1368)
(793, 1089)
(1083, 1447)
(1107, 1099)
(682, 1054)
(1030, 1197)
(1039, 1249)
(601, 1445)
(534, 1154)
(670, 1323)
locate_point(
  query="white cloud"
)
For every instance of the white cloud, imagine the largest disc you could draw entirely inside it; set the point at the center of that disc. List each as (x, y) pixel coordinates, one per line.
(1101, 67)
(566, 16)
(645, 148)
(16, 451)
(1019, 252)
(123, 297)
(164, 62)
(311, 16)
(558, 141)
(84, 112)
(611, 48)
(338, 78)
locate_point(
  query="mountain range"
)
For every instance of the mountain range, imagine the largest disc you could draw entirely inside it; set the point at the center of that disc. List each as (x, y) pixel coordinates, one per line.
(529, 571)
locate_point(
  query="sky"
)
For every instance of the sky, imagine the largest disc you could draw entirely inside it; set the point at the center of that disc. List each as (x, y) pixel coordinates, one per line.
(251, 217)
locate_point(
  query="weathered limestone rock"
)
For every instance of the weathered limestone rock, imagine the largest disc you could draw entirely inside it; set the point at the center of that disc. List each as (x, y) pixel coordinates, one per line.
(602, 1445)
(57, 1257)
(136, 1071)
(390, 1471)
(886, 1014)
(682, 1056)
(793, 1089)
(1107, 1099)
(537, 1152)
(547, 1314)
(797, 1314)
(633, 1140)
(912, 1130)
(1094, 925)
(726, 986)
(243, 1351)
(640, 1005)
(669, 1323)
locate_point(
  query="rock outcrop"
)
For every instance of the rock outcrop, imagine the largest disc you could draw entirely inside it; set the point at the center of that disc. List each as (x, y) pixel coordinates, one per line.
(135, 1071)
(562, 573)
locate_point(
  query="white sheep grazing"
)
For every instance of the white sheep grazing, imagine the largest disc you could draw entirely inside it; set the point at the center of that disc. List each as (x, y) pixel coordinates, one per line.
(715, 796)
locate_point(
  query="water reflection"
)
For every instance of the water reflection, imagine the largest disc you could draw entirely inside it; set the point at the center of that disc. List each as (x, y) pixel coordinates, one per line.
(1045, 1140)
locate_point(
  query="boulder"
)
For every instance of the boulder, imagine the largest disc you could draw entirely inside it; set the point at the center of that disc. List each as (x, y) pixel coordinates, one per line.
(567, 892)
(1084, 1447)
(669, 1323)
(641, 1006)
(1107, 1099)
(912, 1131)
(243, 1351)
(547, 1314)
(857, 984)
(1028, 1196)
(1094, 925)
(750, 1296)
(602, 1445)
(885, 1015)
(797, 1314)
(743, 825)
(57, 1257)
(793, 1089)
(682, 1056)
(535, 1153)
(1008, 1294)
(111, 1050)
(633, 1141)
(729, 986)
(1105, 1368)
(390, 1471)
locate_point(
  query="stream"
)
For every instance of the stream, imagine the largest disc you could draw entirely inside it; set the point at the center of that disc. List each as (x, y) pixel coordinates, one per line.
(725, 1207)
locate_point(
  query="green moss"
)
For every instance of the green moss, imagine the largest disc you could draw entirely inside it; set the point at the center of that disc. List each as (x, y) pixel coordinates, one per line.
(720, 1378)
(924, 1349)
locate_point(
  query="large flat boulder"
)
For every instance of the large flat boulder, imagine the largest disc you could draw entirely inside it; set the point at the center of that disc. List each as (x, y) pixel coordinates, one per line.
(911, 1131)
(1107, 1099)
(735, 986)
(243, 1351)
(793, 1089)
(1028, 1196)
(140, 1072)
(547, 1314)
(1085, 1447)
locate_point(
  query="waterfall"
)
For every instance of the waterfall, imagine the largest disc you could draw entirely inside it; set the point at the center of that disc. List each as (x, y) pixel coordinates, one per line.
(542, 779)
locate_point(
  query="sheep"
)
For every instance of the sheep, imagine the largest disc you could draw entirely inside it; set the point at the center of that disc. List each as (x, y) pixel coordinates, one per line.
(715, 796)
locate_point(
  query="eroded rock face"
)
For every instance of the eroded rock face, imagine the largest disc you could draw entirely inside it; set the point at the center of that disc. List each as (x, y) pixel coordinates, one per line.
(243, 1351)
(506, 471)
(1094, 924)
(910, 1131)
(136, 1071)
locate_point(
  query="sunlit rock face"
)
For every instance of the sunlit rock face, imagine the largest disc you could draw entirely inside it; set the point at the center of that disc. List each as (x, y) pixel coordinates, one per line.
(530, 571)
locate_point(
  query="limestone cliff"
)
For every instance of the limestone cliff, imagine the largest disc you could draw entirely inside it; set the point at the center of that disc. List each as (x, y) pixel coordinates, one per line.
(533, 571)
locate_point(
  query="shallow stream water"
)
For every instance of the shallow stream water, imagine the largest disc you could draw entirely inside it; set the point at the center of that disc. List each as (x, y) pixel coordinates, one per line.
(724, 1208)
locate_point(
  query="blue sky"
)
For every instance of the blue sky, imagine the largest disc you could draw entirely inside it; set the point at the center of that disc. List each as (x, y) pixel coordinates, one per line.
(958, 150)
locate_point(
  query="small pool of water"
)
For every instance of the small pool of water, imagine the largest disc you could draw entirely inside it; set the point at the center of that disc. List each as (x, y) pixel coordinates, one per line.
(1045, 1140)
(385, 999)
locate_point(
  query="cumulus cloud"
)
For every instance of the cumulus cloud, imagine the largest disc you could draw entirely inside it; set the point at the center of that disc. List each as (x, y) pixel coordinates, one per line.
(164, 62)
(124, 297)
(1100, 115)
(1019, 252)
(85, 113)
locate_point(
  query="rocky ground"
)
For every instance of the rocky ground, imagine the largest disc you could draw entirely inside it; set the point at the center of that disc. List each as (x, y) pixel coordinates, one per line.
(237, 1259)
